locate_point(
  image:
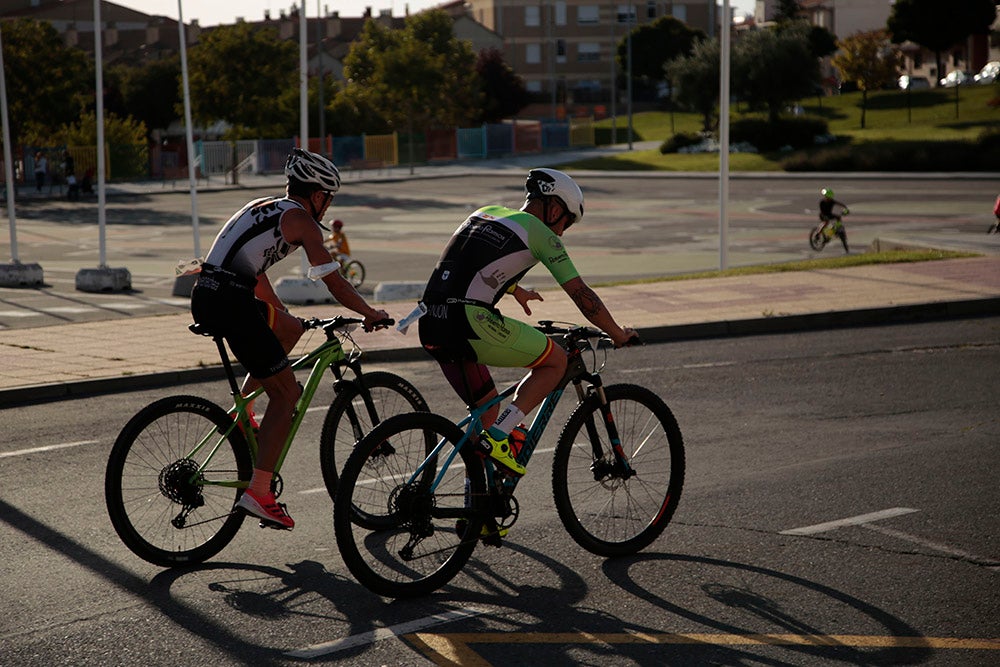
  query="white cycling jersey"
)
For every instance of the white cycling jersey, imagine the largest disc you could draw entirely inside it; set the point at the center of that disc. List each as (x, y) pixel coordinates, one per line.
(251, 241)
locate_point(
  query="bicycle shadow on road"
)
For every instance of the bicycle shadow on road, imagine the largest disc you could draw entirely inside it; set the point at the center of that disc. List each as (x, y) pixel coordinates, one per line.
(745, 598)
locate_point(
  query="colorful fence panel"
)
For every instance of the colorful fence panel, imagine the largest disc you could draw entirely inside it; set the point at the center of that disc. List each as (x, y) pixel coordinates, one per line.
(381, 150)
(581, 132)
(347, 150)
(527, 137)
(471, 142)
(441, 145)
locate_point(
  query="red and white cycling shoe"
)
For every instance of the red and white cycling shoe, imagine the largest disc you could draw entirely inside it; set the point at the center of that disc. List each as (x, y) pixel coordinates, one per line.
(271, 513)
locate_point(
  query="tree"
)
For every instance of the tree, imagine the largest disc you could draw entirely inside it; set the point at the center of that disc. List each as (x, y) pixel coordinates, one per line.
(655, 44)
(787, 10)
(416, 78)
(48, 83)
(151, 91)
(697, 79)
(240, 74)
(868, 59)
(937, 25)
(503, 91)
(774, 67)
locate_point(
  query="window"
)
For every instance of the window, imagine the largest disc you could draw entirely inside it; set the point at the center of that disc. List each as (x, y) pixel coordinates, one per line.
(650, 9)
(533, 86)
(532, 16)
(587, 15)
(532, 53)
(679, 12)
(560, 50)
(588, 52)
(560, 13)
(624, 12)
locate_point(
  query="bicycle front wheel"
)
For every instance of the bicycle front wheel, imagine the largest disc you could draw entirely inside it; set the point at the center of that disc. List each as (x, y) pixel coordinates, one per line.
(398, 534)
(354, 272)
(610, 509)
(817, 241)
(170, 501)
(352, 415)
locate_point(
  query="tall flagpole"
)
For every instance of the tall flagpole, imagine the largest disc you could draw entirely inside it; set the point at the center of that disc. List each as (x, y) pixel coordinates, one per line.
(724, 138)
(14, 274)
(189, 131)
(103, 278)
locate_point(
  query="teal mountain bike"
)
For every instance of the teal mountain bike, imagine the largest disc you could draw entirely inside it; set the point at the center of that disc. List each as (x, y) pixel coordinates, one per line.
(180, 464)
(415, 498)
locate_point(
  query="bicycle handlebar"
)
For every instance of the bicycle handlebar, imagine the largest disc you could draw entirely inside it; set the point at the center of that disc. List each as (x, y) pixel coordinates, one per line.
(573, 334)
(331, 324)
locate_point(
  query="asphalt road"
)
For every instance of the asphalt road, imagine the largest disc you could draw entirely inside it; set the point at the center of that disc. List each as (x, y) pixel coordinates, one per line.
(636, 226)
(783, 433)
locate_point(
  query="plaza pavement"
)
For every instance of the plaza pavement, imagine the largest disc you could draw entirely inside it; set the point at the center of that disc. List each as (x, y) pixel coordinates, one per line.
(129, 353)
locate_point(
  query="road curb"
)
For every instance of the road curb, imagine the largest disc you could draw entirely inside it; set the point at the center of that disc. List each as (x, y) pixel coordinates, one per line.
(945, 310)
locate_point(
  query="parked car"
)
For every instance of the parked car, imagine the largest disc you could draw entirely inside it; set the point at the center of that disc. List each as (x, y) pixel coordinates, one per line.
(989, 72)
(956, 78)
(914, 82)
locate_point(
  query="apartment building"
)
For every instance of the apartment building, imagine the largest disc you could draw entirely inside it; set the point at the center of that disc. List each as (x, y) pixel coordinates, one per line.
(565, 49)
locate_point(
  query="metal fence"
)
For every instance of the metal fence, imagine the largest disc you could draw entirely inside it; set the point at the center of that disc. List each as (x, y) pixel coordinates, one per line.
(228, 159)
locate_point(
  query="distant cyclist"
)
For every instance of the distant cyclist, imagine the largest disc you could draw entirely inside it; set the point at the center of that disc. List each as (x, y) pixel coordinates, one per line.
(485, 258)
(234, 297)
(336, 242)
(832, 223)
(995, 229)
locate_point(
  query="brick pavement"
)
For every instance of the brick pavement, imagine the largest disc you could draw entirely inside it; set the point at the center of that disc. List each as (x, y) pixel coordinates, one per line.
(77, 359)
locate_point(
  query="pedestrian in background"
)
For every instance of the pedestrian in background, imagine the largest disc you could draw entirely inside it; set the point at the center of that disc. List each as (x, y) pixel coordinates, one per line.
(41, 168)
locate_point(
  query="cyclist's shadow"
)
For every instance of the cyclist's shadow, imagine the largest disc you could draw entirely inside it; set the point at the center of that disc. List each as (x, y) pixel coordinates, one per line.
(263, 591)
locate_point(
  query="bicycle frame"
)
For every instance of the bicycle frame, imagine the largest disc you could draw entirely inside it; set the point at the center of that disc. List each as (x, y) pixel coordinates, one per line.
(330, 354)
(576, 373)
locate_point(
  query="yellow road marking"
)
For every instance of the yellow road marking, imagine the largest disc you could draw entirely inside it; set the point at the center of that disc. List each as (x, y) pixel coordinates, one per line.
(456, 648)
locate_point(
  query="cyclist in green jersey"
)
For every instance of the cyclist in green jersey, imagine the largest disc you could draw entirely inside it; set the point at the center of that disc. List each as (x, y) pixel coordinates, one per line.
(485, 258)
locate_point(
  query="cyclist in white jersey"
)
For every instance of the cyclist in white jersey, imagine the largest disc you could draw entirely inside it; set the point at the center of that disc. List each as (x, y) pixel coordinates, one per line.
(486, 257)
(234, 297)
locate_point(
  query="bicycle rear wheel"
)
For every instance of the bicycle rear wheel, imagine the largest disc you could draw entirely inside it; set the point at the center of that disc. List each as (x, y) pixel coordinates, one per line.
(354, 272)
(351, 416)
(168, 507)
(397, 535)
(607, 510)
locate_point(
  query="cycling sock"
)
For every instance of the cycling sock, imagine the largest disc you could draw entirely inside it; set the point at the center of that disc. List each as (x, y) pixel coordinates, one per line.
(260, 483)
(506, 422)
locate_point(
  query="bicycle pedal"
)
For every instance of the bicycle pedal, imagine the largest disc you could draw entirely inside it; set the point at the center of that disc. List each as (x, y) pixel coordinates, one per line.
(272, 525)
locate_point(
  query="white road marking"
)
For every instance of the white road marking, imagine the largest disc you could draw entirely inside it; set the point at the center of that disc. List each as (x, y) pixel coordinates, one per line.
(936, 546)
(851, 521)
(46, 448)
(366, 638)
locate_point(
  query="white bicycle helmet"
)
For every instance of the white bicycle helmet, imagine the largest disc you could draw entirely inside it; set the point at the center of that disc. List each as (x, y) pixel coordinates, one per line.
(314, 169)
(553, 183)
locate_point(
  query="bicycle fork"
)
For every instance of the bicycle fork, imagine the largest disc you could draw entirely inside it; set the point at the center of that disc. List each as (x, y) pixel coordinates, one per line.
(603, 468)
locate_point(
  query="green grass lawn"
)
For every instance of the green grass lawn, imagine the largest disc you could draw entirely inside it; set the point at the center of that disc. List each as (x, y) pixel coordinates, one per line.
(926, 115)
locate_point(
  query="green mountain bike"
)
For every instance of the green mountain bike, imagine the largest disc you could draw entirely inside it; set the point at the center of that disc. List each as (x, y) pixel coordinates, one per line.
(415, 499)
(180, 464)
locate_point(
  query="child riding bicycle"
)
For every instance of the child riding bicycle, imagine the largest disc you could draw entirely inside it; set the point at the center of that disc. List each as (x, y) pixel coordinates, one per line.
(832, 223)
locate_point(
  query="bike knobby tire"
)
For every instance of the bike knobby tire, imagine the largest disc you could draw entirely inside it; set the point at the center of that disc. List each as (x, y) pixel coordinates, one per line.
(351, 416)
(606, 512)
(354, 273)
(817, 240)
(166, 507)
(396, 536)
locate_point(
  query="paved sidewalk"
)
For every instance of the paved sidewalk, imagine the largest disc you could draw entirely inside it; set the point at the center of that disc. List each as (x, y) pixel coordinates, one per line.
(72, 360)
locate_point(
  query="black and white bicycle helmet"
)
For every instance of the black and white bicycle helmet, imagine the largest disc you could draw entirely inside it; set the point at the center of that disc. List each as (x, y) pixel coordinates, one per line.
(554, 183)
(314, 169)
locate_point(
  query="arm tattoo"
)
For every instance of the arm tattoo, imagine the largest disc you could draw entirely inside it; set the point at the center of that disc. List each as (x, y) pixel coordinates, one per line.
(587, 301)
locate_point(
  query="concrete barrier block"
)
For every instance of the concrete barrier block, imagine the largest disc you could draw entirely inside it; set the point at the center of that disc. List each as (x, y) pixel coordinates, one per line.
(398, 290)
(302, 291)
(104, 279)
(20, 275)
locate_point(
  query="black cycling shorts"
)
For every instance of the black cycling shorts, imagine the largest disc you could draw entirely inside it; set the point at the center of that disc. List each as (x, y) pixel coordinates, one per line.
(244, 321)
